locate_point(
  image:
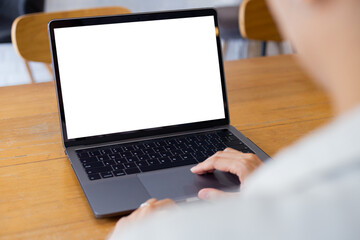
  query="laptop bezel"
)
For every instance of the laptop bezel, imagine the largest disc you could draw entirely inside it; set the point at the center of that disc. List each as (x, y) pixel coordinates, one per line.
(75, 22)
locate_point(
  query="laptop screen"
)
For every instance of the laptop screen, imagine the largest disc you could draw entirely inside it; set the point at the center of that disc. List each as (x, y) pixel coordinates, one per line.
(123, 77)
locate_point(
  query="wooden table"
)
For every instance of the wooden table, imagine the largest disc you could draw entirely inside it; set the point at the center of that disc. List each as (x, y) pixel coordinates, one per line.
(271, 101)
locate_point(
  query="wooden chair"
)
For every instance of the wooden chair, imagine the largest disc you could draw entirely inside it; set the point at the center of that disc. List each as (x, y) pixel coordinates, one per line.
(30, 37)
(256, 22)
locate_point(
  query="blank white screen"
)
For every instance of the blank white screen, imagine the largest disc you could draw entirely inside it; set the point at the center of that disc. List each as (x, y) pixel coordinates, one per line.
(140, 75)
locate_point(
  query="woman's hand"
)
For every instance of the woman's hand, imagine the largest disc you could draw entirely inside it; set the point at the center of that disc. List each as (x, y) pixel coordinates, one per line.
(145, 209)
(229, 160)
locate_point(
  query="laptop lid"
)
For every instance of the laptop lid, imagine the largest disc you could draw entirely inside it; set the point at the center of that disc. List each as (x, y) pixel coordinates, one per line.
(128, 76)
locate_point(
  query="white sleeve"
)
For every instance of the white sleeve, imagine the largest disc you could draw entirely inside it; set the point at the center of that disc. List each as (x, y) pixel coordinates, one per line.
(224, 220)
(326, 210)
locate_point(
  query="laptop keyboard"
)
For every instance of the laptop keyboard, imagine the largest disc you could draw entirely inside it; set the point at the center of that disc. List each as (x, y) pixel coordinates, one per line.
(144, 156)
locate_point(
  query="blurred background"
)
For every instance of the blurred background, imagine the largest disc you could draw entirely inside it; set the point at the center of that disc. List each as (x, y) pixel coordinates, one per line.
(14, 72)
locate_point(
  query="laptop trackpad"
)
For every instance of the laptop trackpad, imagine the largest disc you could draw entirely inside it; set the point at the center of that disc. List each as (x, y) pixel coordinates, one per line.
(180, 184)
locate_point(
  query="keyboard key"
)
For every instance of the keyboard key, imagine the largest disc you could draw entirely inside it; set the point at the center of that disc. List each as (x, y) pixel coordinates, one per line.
(191, 145)
(209, 152)
(153, 162)
(199, 155)
(89, 160)
(247, 151)
(142, 164)
(94, 153)
(118, 167)
(131, 159)
(116, 150)
(137, 152)
(190, 139)
(109, 162)
(165, 154)
(103, 157)
(154, 155)
(170, 142)
(219, 145)
(188, 150)
(114, 156)
(121, 160)
(129, 165)
(199, 149)
(94, 176)
(159, 149)
(149, 145)
(139, 146)
(212, 135)
(160, 143)
(93, 165)
(181, 140)
(164, 160)
(175, 158)
(186, 156)
(177, 152)
(106, 174)
(170, 148)
(132, 170)
(119, 173)
(239, 147)
(148, 151)
(98, 170)
(105, 151)
(230, 139)
(230, 143)
(128, 148)
(202, 138)
(125, 154)
(212, 141)
(143, 157)
(201, 143)
(182, 146)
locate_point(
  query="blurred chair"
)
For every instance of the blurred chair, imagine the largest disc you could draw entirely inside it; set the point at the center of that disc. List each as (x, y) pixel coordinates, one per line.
(256, 23)
(30, 37)
(11, 9)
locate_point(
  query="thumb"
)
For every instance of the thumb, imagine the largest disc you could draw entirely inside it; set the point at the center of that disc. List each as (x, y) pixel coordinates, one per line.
(210, 194)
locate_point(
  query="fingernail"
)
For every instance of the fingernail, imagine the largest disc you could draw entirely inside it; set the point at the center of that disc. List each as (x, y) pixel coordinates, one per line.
(193, 168)
(203, 194)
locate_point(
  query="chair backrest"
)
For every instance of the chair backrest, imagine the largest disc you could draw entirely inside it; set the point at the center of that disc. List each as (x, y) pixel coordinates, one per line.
(29, 32)
(256, 22)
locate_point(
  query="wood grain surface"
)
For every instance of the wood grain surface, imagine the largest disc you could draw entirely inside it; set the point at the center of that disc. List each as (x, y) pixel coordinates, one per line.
(271, 101)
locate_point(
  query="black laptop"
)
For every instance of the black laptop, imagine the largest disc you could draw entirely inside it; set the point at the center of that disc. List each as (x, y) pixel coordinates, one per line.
(142, 99)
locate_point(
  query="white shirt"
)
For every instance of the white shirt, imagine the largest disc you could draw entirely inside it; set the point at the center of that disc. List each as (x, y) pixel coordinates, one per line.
(310, 191)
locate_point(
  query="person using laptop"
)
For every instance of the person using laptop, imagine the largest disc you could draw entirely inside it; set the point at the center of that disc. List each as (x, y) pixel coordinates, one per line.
(312, 189)
(163, 111)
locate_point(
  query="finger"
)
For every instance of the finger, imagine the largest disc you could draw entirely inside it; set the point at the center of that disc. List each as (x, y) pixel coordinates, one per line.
(210, 194)
(223, 161)
(154, 206)
(165, 203)
(230, 150)
(145, 209)
(137, 212)
(149, 201)
(199, 169)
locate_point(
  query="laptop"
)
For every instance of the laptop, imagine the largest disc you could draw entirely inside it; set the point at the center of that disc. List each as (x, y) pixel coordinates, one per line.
(142, 99)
